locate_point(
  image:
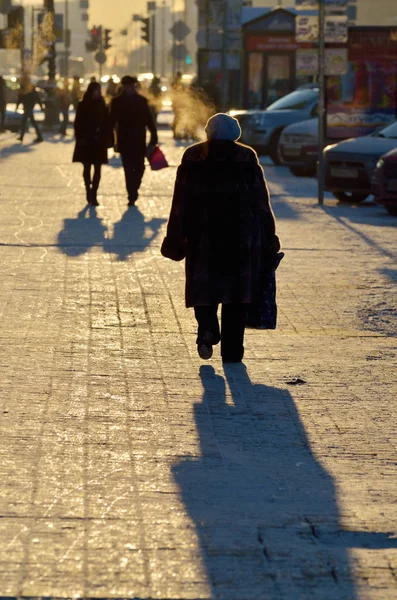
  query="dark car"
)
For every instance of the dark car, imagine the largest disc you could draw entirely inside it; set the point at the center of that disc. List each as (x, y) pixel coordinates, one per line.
(262, 128)
(13, 120)
(384, 182)
(298, 148)
(349, 165)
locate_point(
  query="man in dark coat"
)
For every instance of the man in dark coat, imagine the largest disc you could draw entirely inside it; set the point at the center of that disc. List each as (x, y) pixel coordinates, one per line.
(221, 221)
(29, 97)
(130, 116)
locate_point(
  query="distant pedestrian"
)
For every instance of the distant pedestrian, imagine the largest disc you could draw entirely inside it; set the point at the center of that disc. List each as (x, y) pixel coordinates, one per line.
(93, 137)
(29, 97)
(112, 88)
(64, 101)
(3, 103)
(130, 117)
(75, 95)
(221, 221)
(155, 96)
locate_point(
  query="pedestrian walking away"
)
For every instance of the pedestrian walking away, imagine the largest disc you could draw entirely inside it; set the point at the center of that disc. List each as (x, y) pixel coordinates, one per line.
(64, 101)
(75, 95)
(130, 117)
(3, 103)
(93, 138)
(29, 97)
(155, 96)
(221, 221)
(112, 89)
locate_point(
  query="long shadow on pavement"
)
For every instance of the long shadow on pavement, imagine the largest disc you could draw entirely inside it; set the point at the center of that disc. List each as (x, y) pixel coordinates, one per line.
(80, 234)
(132, 233)
(265, 510)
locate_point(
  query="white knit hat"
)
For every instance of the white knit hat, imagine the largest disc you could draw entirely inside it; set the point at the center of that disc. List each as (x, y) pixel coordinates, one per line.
(223, 127)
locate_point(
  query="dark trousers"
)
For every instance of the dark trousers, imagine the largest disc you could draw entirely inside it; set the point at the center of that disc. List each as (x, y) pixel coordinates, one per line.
(24, 122)
(134, 169)
(65, 121)
(232, 323)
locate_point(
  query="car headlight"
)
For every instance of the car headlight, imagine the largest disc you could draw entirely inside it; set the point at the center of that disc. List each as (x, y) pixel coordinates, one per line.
(379, 164)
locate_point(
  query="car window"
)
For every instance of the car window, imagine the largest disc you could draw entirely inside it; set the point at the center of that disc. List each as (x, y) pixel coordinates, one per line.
(298, 100)
(390, 131)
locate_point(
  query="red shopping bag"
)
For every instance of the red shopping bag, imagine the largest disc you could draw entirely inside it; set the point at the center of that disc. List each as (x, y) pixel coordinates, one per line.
(157, 160)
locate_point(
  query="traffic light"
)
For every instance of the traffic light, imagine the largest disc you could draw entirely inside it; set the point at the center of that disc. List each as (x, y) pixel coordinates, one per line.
(95, 39)
(145, 31)
(106, 39)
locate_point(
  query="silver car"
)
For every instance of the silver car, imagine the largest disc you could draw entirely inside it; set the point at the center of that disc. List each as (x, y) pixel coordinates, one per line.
(262, 128)
(349, 165)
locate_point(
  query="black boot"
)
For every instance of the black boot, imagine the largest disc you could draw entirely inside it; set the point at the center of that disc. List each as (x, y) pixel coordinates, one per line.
(94, 200)
(88, 194)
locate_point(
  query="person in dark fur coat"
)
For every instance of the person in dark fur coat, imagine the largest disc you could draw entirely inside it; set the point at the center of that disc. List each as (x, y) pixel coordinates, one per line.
(94, 136)
(221, 221)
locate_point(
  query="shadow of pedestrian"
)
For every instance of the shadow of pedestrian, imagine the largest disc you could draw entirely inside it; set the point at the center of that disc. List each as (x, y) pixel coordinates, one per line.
(16, 148)
(80, 234)
(265, 510)
(57, 138)
(132, 233)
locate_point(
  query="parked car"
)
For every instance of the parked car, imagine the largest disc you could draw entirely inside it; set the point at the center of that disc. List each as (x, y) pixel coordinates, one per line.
(349, 165)
(384, 182)
(13, 120)
(262, 128)
(298, 148)
(12, 88)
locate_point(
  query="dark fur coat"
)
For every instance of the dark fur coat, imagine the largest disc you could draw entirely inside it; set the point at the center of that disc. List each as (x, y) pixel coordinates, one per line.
(222, 223)
(93, 132)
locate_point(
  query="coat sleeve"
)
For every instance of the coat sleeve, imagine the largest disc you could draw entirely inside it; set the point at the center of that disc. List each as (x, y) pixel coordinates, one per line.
(175, 243)
(107, 129)
(262, 200)
(78, 122)
(113, 113)
(150, 124)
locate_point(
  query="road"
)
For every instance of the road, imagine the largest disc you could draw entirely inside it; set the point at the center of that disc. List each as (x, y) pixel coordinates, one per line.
(132, 469)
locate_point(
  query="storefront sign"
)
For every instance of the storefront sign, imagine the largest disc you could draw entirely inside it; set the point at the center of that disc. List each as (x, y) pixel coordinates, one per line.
(335, 61)
(270, 42)
(365, 97)
(306, 62)
(307, 29)
(315, 4)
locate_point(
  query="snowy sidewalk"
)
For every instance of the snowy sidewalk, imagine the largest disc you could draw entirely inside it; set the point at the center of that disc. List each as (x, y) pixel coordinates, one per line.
(130, 468)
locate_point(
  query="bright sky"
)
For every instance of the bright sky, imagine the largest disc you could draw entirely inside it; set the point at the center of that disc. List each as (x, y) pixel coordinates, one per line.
(115, 14)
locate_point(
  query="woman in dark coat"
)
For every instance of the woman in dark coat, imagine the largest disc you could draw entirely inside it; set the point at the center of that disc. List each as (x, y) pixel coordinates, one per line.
(93, 137)
(221, 221)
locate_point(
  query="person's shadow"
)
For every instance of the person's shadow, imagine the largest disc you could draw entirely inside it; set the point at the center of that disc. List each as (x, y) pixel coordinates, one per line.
(80, 234)
(265, 510)
(132, 233)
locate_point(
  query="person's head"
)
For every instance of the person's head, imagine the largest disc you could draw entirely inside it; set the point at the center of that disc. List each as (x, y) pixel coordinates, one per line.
(76, 78)
(93, 92)
(129, 84)
(223, 127)
(93, 79)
